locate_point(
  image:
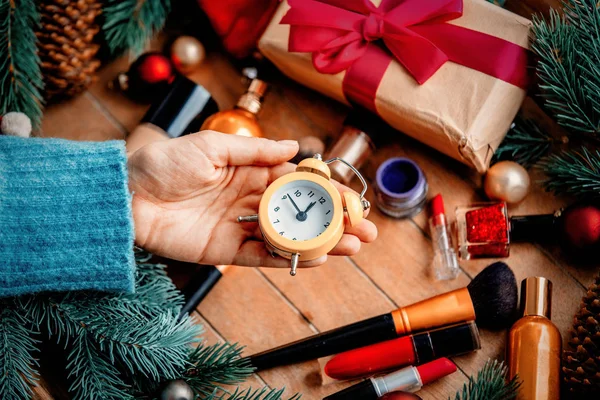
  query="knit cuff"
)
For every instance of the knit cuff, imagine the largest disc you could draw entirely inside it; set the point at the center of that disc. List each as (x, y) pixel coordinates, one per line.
(65, 216)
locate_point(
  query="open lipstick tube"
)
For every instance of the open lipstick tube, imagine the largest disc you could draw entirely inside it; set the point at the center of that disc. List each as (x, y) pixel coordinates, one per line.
(409, 350)
(409, 379)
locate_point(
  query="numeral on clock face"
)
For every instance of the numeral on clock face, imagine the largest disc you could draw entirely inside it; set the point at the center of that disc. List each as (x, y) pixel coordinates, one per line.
(311, 194)
(322, 200)
(297, 193)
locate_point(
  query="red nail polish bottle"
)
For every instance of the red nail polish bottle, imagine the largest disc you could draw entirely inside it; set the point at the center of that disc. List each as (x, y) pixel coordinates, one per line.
(483, 231)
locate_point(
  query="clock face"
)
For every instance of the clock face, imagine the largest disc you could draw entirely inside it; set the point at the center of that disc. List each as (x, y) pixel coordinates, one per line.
(300, 210)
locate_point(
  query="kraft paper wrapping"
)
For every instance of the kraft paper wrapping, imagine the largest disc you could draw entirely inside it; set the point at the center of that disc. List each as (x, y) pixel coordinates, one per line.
(459, 111)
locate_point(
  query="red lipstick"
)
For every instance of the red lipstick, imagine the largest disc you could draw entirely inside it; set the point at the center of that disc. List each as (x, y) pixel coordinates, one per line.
(409, 379)
(445, 262)
(409, 350)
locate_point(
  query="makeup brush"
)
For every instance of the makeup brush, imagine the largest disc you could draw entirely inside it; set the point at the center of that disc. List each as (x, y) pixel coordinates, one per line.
(491, 299)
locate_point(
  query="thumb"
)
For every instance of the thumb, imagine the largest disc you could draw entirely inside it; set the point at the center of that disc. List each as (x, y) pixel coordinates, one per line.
(223, 149)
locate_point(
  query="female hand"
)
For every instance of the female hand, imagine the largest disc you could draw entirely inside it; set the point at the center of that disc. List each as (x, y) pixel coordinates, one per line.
(188, 192)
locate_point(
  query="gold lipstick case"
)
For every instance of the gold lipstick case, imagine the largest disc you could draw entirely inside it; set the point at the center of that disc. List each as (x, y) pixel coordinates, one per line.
(534, 344)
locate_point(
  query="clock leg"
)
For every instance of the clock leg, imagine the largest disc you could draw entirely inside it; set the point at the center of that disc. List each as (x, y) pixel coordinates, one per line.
(248, 218)
(294, 263)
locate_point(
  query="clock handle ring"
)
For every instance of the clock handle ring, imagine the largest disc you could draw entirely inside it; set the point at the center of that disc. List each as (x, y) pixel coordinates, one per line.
(364, 202)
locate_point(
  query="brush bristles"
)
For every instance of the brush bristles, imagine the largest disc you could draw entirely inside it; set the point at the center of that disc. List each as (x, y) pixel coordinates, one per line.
(494, 294)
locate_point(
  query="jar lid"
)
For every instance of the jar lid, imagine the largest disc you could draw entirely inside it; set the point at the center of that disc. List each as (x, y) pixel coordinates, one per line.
(401, 187)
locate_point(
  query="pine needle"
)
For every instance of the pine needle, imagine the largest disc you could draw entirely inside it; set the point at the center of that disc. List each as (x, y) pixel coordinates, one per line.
(525, 143)
(20, 75)
(17, 345)
(120, 346)
(129, 24)
(573, 173)
(93, 376)
(215, 366)
(489, 384)
(568, 47)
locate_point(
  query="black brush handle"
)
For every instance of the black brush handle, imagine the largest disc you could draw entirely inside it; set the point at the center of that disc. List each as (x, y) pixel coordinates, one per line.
(359, 334)
(361, 391)
(198, 287)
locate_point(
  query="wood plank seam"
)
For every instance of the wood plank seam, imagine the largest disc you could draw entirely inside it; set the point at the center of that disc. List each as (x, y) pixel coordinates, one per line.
(220, 337)
(286, 300)
(107, 114)
(559, 264)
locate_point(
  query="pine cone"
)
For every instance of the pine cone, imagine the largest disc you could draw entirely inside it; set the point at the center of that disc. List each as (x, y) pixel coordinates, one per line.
(581, 360)
(66, 45)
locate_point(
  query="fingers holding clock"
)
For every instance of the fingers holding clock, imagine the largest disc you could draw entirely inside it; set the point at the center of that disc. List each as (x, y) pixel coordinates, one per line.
(366, 231)
(352, 239)
(222, 149)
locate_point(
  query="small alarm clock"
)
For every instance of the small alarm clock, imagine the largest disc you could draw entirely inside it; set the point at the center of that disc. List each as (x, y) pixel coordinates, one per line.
(301, 214)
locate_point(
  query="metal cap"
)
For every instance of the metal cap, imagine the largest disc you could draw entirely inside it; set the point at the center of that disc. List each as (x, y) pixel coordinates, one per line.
(258, 87)
(536, 296)
(251, 100)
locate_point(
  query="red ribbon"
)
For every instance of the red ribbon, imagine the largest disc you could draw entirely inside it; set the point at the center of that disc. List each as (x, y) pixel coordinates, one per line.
(341, 35)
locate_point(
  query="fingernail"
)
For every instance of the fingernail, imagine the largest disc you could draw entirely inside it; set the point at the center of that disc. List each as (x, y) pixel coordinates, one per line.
(288, 143)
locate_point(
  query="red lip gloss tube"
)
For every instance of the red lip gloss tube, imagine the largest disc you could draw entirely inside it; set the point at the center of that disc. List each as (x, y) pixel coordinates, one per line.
(408, 350)
(409, 379)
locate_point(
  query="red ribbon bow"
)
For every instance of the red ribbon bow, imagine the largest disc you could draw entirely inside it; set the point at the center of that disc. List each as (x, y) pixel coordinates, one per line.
(340, 36)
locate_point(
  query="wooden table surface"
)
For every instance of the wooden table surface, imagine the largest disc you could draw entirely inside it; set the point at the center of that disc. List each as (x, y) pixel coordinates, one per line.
(262, 308)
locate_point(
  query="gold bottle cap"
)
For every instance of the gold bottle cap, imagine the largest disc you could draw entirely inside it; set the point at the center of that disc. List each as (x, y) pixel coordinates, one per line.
(536, 297)
(251, 100)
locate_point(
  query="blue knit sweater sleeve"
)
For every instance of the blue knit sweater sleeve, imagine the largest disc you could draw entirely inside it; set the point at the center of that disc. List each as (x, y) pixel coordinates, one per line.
(65, 216)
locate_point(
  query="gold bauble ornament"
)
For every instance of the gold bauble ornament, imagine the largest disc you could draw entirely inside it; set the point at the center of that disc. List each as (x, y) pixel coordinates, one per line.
(507, 181)
(187, 53)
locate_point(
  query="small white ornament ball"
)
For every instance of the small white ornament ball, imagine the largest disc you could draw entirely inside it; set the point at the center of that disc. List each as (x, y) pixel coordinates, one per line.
(187, 53)
(177, 390)
(16, 124)
(507, 181)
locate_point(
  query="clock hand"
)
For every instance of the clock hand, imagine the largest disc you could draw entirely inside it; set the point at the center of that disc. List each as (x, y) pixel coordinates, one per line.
(311, 205)
(293, 203)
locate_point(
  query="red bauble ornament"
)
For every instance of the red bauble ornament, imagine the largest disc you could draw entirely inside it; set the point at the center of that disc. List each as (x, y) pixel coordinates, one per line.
(152, 68)
(149, 76)
(581, 229)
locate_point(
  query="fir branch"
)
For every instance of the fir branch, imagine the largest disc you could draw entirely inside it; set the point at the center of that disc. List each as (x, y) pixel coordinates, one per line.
(215, 366)
(129, 24)
(92, 375)
(525, 143)
(20, 75)
(573, 173)
(489, 384)
(17, 344)
(569, 51)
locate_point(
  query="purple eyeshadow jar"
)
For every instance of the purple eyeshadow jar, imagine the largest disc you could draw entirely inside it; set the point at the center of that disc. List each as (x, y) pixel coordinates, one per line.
(400, 188)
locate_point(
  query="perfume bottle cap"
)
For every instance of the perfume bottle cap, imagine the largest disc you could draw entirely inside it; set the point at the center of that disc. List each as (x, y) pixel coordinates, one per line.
(251, 100)
(536, 296)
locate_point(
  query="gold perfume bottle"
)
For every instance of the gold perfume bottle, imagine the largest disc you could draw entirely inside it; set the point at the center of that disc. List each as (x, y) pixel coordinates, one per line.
(242, 120)
(534, 344)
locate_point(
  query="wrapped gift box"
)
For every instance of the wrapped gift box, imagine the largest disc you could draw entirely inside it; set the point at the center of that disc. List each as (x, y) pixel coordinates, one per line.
(459, 111)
